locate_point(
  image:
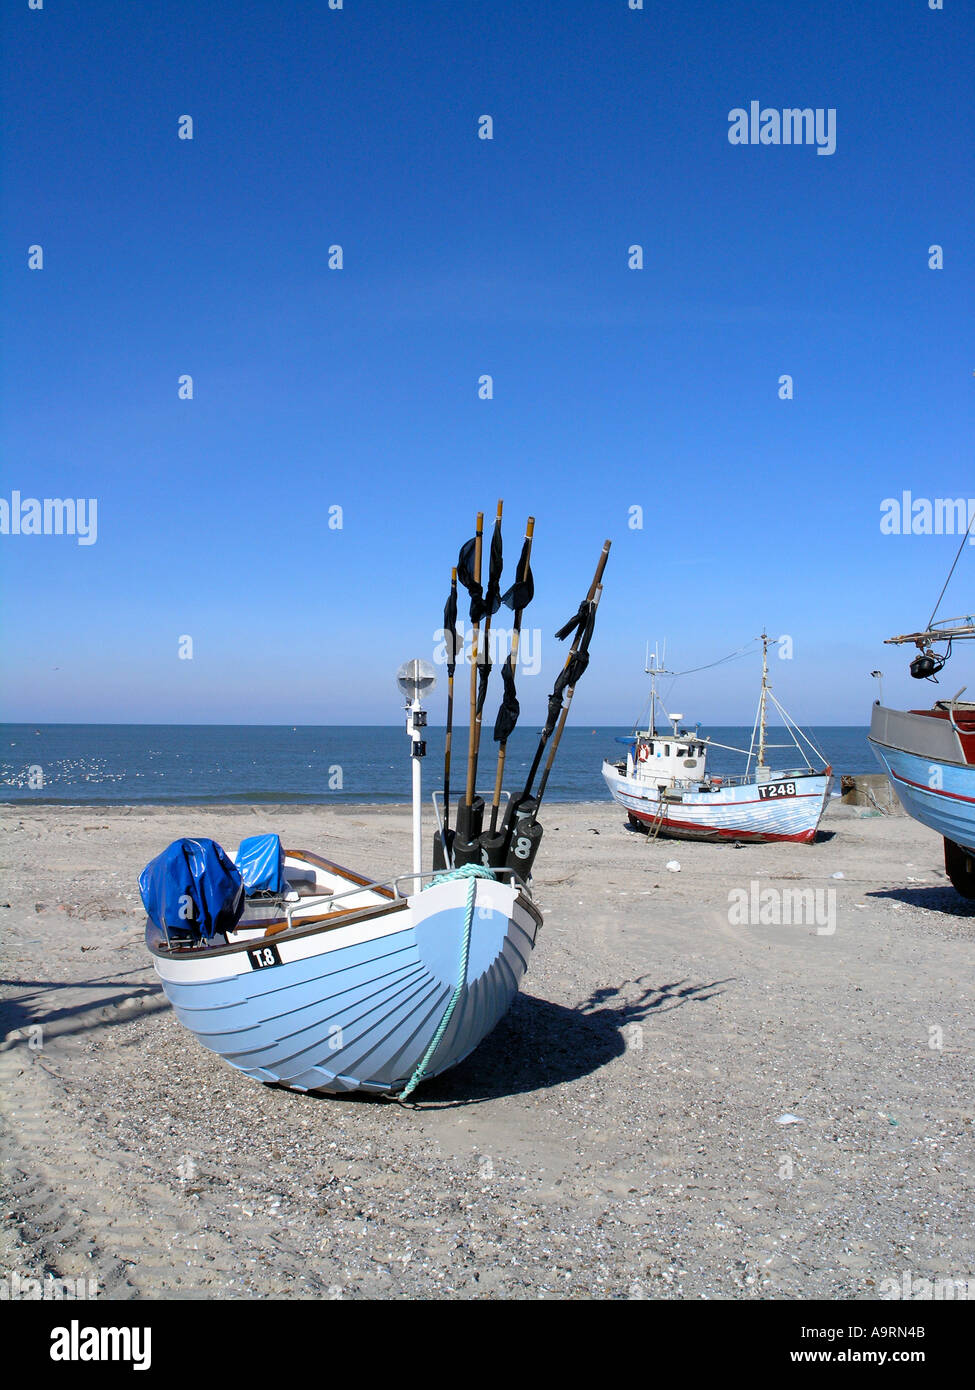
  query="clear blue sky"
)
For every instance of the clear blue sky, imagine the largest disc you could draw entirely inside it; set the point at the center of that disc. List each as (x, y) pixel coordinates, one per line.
(358, 388)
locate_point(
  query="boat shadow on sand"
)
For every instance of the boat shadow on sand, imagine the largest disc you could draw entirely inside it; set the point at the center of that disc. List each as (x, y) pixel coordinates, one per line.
(929, 897)
(106, 1002)
(539, 1044)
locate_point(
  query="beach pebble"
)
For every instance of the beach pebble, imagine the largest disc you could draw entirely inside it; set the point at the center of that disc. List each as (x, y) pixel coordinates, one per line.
(673, 865)
(598, 1185)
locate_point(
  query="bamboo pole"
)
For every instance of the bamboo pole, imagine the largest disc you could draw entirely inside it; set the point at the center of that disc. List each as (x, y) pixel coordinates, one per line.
(596, 582)
(487, 654)
(515, 639)
(471, 755)
(561, 724)
(525, 799)
(452, 639)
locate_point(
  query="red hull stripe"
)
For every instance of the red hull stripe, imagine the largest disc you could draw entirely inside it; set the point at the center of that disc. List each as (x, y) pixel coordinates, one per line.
(804, 837)
(935, 791)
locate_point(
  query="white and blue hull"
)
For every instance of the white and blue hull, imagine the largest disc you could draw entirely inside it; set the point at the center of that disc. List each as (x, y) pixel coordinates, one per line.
(787, 806)
(948, 809)
(355, 1005)
(932, 780)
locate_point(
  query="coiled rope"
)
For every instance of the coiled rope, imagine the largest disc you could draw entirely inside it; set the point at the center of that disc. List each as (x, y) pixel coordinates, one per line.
(472, 872)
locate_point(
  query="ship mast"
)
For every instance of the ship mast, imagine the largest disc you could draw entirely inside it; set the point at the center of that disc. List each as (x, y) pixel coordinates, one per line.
(762, 702)
(654, 669)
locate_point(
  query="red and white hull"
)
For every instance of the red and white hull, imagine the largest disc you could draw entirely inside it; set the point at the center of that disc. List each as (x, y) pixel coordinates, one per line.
(785, 806)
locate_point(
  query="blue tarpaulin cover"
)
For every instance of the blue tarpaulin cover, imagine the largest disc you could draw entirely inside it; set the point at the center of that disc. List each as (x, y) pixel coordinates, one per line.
(260, 860)
(192, 888)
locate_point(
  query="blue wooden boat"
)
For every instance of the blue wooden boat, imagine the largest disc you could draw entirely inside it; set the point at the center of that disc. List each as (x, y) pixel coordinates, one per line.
(929, 755)
(336, 983)
(300, 972)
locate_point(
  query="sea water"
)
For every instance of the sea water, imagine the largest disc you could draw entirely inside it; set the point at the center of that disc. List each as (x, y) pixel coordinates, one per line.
(127, 764)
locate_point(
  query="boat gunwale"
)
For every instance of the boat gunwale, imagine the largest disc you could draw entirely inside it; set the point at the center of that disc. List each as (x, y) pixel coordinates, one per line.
(322, 922)
(921, 757)
(318, 861)
(719, 782)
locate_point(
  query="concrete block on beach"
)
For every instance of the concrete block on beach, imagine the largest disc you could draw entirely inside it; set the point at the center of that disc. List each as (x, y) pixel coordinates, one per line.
(870, 789)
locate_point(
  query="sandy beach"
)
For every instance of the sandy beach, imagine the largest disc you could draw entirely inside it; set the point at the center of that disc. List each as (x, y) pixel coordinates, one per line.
(619, 1136)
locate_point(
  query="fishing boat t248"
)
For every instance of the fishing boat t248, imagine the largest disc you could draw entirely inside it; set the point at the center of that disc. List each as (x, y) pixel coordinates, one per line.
(664, 783)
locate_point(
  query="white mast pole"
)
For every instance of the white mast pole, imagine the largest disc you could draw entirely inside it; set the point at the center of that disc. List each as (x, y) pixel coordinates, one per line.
(412, 677)
(762, 700)
(653, 671)
(653, 697)
(646, 667)
(413, 729)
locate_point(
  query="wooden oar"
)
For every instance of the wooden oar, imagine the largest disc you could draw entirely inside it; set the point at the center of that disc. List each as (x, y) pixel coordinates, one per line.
(546, 732)
(520, 825)
(560, 726)
(486, 657)
(515, 639)
(451, 668)
(441, 846)
(472, 731)
(464, 849)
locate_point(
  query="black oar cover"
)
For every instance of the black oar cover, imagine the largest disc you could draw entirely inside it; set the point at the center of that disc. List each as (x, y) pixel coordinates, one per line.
(465, 576)
(522, 591)
(510, 709)
(480, 605)
(582, 623)
(492, 599)
(450, 633)
(583, 620)
(483, 675)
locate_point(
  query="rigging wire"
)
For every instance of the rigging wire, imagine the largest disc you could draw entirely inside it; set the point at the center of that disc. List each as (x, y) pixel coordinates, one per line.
(964, 538)
(733, 656)
(788, 723)
(720, 662)
(675, 675)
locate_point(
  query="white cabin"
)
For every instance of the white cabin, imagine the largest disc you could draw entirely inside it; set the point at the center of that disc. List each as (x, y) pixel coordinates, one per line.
(667, 759)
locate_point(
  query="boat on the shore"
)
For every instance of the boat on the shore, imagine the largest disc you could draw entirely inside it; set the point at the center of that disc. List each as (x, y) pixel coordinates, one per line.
(664, 785)
(929, 754)
(300, 972)
(335, 982)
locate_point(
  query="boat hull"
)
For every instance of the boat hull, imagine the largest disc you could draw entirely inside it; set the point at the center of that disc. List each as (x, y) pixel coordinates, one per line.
(752, 811)
(355, 1006)
(926, 766)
